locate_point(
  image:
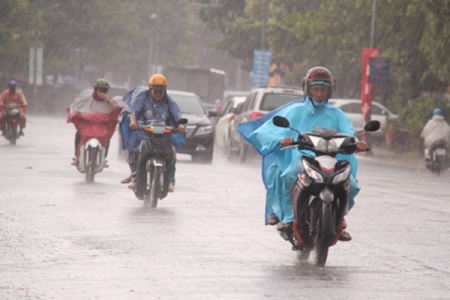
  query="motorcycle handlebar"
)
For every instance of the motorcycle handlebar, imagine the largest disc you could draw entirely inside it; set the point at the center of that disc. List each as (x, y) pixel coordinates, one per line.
(17, 106)
(299, 143)
(167, 130)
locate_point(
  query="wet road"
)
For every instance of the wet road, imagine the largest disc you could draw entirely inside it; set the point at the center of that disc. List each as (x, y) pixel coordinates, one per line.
(63, 239)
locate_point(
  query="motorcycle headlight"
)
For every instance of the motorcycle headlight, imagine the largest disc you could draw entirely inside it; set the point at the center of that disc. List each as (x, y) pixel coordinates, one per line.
(342, 175)
(310, 171)
(204, 130)
(327, 146)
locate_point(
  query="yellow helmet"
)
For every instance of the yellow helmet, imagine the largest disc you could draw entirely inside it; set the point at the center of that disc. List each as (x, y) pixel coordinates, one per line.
(158, 82)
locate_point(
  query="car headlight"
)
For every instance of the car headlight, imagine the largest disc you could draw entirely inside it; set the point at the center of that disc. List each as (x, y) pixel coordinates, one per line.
(311, 172)
(204, 130)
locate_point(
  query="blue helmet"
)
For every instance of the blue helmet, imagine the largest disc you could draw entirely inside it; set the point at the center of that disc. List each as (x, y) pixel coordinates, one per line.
(438, 111)
(12, 83)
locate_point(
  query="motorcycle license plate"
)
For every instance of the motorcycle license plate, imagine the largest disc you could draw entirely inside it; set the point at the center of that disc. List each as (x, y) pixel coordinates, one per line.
(440, 151)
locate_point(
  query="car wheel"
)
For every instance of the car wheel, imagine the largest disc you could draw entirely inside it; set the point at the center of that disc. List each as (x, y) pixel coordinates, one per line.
(229, 153)
(205, 158)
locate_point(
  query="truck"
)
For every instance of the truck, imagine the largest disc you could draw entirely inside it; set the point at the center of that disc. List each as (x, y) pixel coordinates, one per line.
(208, 84)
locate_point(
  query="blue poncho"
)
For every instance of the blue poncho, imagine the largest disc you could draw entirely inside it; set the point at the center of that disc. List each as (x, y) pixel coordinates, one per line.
(280, 168)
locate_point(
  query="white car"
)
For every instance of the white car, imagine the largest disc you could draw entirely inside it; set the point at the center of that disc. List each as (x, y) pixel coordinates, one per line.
(352, 108)
(223, 124)
(259, 102)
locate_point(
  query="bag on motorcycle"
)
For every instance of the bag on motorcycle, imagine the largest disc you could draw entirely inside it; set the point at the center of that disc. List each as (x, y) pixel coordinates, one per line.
(154, 147)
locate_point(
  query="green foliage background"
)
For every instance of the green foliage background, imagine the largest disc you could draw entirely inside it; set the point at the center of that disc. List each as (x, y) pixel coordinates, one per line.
(414, 34)
(114, 35)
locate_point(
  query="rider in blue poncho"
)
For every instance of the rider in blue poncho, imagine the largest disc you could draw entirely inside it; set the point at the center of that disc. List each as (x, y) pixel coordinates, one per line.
(281, 170)
(145, 104)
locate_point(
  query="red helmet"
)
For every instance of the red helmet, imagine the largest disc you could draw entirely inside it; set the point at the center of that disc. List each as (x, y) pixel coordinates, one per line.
(318, 75)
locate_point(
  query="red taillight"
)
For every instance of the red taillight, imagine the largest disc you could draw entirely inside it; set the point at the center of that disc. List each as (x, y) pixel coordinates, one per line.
(255, 115)
(231, 118)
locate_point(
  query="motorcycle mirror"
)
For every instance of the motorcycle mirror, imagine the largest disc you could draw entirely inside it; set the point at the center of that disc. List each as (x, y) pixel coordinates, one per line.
(182, 121)
(280, 121)
(372, 126)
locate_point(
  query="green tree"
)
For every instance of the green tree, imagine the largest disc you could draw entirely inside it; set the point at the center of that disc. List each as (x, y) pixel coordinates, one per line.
(16, 17)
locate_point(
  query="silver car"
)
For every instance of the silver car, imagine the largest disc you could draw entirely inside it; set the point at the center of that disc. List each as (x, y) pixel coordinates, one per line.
(223, 124)
(352, 108)
(259, 102)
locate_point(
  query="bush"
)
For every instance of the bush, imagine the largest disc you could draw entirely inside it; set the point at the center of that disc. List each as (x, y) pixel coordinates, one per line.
(414, 116)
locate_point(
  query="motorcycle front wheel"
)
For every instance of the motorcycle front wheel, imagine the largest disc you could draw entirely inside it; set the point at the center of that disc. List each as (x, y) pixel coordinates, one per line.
(154, 185)
(324, 235)
(13, 134)
(91, 165)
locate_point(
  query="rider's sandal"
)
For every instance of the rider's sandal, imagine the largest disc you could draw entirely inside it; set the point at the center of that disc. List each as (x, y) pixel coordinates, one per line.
(171, 188)
(284, 226)
(273, 219)
(74, 162)
(344, 224)
(126, 180)
(132, 185)
(345, 236)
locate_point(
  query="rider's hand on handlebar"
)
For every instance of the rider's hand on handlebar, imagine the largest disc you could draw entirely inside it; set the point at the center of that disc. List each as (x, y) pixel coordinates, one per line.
(361, 146)
(286, 141)
(181, 128)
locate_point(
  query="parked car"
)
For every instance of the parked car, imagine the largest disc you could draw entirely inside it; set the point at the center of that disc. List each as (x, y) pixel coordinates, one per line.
(259, 102)
(200, 131)
(352, 108)
(222, 126)
(227, 95)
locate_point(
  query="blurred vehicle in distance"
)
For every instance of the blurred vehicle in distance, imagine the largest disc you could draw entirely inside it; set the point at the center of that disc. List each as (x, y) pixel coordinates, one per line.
(199, 141)
(227, 95)
(259, 102)
(222, 126)
(206, 83)
(352, 108)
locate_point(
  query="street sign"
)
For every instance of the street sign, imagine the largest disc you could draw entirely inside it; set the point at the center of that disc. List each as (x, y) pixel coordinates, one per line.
(379, 69)
(261, 68)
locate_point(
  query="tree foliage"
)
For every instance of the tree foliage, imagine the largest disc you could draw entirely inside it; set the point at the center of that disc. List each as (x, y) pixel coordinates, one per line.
(414, 34)
(15, 34)
(89, 38)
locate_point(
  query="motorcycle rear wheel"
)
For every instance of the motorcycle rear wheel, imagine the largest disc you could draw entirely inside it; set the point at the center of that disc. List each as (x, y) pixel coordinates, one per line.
(324, 235)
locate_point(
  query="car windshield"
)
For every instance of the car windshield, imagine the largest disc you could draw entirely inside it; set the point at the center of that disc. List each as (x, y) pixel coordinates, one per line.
(189, 104)
(272, 101)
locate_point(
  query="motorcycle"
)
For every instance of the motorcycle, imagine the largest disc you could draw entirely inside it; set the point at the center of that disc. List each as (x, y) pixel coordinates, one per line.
(320, 194)
(12, 122)
(92, 159)
(156, 153)
(438, 154)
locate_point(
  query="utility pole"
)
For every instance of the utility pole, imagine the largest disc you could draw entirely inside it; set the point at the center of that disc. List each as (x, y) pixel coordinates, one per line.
(36, 34)
(372, 30)
(156, 46)
(263, 30)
